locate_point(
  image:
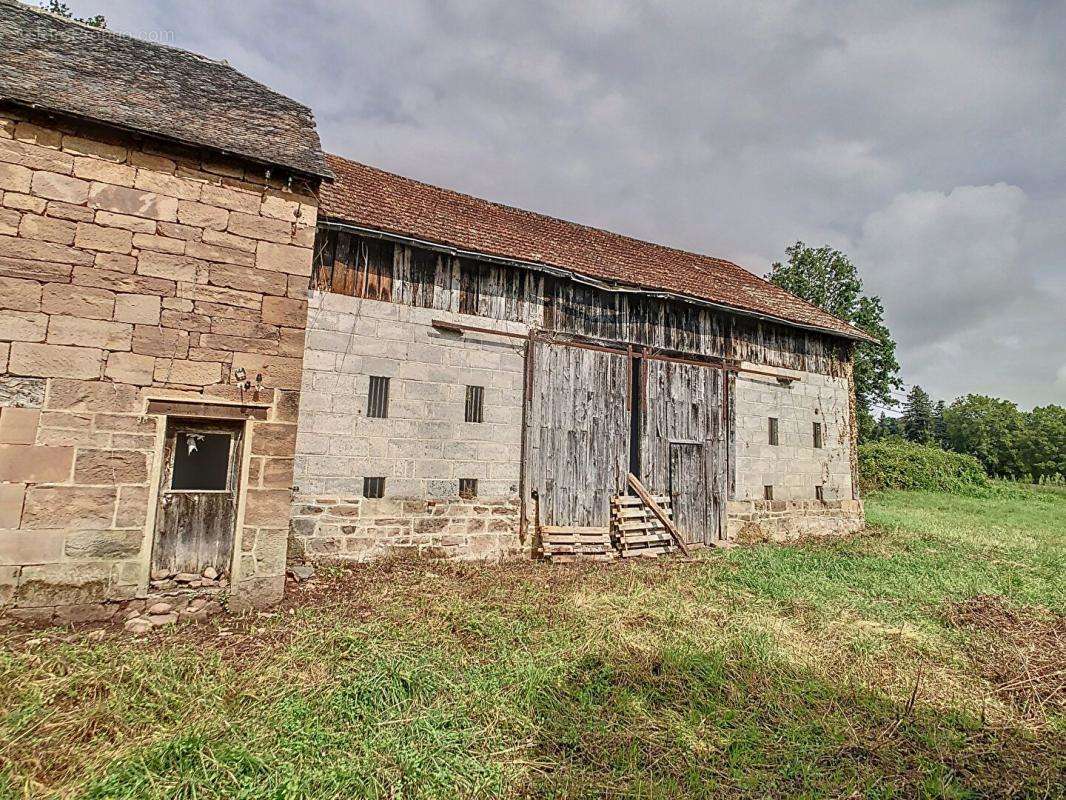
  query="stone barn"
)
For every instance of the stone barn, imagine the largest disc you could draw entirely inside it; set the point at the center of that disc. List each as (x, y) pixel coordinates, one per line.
(474, 372)
(156, 228)
(222, 350)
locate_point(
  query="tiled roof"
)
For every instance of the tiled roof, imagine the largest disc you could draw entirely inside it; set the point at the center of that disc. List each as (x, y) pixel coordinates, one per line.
(71, 68)
(369, 197)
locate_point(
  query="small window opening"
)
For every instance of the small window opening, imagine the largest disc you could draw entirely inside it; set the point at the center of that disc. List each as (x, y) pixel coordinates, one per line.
(377, 401)
(468, 488)
(475, 403)
(818, 434)
(201, 461)
(819, 492)
(373, 488)
(768, 492)
(773, 430)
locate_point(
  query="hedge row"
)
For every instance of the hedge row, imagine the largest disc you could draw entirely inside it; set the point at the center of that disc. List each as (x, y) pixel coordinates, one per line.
(893, 464)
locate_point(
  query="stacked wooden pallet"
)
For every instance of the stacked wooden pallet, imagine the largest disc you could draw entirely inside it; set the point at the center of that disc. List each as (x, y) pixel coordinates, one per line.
(636, 531)
(564, 545)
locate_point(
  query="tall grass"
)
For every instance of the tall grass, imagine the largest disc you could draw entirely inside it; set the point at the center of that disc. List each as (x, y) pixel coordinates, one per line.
(758, 672)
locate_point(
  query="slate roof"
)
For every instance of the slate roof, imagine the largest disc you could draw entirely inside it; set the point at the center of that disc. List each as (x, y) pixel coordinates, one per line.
(371, 198)
(65, 66)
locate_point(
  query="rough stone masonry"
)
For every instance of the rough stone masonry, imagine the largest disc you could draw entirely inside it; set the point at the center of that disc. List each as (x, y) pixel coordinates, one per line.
(132, 272)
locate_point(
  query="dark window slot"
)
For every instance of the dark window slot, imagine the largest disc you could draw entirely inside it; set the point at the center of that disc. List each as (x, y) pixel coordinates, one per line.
(373, 488)
(475, 404)
(819, 493)
(774, 430)
(468, 488)
(818, 434)
(768, 493)
(201, 462)
(377, 401)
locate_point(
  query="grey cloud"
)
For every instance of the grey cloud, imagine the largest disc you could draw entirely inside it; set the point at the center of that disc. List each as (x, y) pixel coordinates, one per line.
(926, 139)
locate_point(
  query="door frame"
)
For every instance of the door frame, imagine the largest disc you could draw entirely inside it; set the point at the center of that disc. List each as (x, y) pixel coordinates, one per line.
(163, 408)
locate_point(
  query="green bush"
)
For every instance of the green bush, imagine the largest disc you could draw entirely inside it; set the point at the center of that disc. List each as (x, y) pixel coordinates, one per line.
(894, 464)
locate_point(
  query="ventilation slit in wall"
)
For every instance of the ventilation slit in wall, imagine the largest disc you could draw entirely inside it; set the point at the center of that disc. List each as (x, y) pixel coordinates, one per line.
(377, 401)
(468, 488)
(818, 434)
(373, 487)
(768, 492)
(475, 403)
(773, 430)
(819, 492)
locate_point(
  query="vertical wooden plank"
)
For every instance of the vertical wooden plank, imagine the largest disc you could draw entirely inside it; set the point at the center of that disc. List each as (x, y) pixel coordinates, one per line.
(340, 277)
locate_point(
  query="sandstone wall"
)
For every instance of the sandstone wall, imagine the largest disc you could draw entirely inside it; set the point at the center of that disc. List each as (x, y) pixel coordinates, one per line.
(131, 271)
(422, 448)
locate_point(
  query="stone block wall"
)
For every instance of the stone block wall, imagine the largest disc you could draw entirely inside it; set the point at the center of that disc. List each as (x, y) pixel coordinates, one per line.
(132, 271)
(422, 448)
(794, 466)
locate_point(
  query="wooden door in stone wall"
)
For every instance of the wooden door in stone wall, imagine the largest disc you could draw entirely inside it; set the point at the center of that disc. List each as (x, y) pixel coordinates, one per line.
(198, 495)
(683, 444)
(577, 429)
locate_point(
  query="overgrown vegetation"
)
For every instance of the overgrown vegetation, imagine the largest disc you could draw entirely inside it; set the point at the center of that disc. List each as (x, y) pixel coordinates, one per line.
(863, 666)
(1009, 443)
(899, 464)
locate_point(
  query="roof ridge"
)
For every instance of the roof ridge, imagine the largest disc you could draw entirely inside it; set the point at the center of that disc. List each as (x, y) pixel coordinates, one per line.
(218, 62)
(721, 262)
(44, 12)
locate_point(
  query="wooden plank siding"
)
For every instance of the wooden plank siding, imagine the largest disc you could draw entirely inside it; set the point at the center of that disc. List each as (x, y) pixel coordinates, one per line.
(684, 448)
(577, 445)
(383, 270)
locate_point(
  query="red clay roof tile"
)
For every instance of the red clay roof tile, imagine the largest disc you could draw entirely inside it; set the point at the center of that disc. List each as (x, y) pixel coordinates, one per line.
(372, 198)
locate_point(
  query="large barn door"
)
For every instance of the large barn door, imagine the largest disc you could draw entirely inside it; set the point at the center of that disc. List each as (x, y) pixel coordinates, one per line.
(577, 432)
(683, 446)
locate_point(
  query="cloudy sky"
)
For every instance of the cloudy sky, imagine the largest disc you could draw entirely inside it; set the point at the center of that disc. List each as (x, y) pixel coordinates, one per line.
(927, 140)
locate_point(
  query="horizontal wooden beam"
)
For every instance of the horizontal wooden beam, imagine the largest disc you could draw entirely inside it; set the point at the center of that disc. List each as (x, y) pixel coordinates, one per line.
(456, 327)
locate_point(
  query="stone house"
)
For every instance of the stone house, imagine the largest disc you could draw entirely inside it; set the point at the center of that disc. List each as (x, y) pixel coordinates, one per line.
(221, 349)
(156, 221)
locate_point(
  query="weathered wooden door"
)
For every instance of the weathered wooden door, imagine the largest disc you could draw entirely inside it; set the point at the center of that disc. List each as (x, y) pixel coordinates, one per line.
(198, 492)
(577, 432)
(689, 491)
(683, 444)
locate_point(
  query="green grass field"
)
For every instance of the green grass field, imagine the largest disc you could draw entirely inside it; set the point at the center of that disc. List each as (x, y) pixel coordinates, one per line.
(925, 657)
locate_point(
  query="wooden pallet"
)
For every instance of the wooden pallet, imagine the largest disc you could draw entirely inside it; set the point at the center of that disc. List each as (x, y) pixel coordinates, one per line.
(635, 530)
(564, 545)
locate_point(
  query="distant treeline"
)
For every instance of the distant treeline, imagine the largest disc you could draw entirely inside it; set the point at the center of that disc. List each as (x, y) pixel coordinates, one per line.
(1009, 443)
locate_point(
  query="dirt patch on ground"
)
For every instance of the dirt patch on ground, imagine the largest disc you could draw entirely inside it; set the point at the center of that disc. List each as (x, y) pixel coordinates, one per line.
(1020, 650)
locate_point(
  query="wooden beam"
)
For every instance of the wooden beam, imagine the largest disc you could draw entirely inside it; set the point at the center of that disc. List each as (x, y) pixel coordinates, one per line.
(455, 327)
(660, 515)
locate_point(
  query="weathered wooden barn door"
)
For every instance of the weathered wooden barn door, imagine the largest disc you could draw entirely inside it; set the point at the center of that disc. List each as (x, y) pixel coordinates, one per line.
(683, 446)
(689, 489)
(577, 444)
(199, 487)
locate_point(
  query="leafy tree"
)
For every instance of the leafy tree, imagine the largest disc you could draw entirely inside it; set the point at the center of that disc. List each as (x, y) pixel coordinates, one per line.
(989, 429)
(940, 431)
(886, 428)
(63, 10)
(1043, 442)
(827, 278)
(918, 416)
